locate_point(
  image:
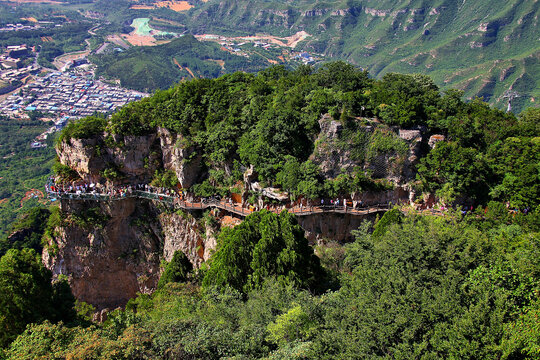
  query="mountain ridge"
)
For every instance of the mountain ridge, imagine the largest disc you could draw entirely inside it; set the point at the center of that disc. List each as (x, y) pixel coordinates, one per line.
(432, 37)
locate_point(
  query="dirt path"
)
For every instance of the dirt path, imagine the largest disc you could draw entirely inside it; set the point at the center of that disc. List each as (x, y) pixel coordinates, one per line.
(92, 30)
(118, 41)
(178, 64)
(184, 68)
(190, 72)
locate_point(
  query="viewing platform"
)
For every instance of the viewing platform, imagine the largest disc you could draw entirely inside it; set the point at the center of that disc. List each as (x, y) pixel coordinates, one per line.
(238, 209)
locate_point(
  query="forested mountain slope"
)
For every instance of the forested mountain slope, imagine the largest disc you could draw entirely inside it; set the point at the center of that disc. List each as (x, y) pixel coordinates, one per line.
(158, 67)
(482, 47)
(463, 283)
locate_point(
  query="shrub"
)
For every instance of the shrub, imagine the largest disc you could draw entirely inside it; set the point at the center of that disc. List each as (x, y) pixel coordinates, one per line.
(83, 129)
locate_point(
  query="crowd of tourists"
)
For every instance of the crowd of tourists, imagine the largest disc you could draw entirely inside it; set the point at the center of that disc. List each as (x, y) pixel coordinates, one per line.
(180, 196)
(117, 191)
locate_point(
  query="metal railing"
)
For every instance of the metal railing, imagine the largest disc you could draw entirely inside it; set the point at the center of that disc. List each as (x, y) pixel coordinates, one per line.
(214, 203)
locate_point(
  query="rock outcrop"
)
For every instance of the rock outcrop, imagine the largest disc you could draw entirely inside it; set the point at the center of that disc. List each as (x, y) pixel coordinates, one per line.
(337, 152)
(110, 259)
(133, 158)
(181, 231)
(337, 227)
(329, 155)
(108, 262)
(185, 161)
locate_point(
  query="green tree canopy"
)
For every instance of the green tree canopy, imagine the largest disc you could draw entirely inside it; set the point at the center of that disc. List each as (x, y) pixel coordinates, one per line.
(176, 270)
(264, 245)
(27, 295)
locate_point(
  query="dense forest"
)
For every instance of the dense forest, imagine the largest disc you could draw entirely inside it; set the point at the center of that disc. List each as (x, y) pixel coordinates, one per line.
(415, 287)
(22, 169)
(460, 285)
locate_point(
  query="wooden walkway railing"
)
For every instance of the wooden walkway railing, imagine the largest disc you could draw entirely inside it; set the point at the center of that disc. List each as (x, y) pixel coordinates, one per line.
(214, 203)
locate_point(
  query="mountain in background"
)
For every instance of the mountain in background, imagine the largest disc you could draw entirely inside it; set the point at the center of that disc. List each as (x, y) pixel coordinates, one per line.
(147, 68)
(483, 47)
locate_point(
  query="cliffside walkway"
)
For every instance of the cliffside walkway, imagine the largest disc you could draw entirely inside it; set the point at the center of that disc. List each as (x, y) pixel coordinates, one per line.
(235, 208)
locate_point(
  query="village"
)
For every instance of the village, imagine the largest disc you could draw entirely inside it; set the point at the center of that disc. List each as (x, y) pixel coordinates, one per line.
(17, 64)
(65, 96)
(73, 94)
(58, 96)
(19, 27)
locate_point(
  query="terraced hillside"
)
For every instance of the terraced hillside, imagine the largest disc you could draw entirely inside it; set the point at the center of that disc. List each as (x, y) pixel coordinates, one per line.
(482, 47)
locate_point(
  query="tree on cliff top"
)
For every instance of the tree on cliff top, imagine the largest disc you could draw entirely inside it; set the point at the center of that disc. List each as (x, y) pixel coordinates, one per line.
(264, 245)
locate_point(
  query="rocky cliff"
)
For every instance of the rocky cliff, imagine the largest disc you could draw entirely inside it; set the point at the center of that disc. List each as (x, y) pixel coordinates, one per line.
(383, 152)
(131, 159)
(112, 250)
(112, 258)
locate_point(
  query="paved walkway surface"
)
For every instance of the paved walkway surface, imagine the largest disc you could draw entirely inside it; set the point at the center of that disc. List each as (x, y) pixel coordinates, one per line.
(221, 204)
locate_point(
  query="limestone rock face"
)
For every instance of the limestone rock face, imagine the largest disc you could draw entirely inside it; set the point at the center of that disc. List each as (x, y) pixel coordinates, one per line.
(108, 263)
(134, 156)
(80, 155)
(330, 158)
(319, 228)
(336, 153)
(185, 161)
(414, 139)
(183, 233)
(367, 198)
(434, 139)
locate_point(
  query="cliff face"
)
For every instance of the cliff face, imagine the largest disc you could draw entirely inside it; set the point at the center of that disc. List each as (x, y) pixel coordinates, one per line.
(184, 160)
(110, 251)
(110, 260)
(133, 158)
(334, 226)
(394, 159)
